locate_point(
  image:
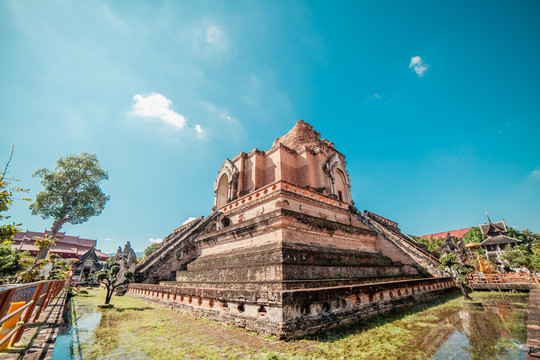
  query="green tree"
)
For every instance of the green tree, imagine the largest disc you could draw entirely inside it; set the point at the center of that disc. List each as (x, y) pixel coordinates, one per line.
(7, 231)
(474, 235)
(32, 266)
(108, 276)
(527, 255)
(433, 244)
(10, 259)
(151, 249)
(458, 271)
(71, 192)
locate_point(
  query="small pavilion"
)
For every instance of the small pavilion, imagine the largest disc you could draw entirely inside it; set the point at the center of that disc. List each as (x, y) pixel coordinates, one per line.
(496, 240)
(87, 264)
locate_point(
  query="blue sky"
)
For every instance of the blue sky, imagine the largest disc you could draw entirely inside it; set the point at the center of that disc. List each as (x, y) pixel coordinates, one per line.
(436, 105)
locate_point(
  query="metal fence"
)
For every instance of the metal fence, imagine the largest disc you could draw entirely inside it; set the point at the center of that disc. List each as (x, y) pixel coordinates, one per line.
(36, 297)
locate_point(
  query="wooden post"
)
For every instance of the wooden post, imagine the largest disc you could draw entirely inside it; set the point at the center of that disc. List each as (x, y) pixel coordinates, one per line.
(6, 301)
(50, 291)
(41, 297)
(27, 315)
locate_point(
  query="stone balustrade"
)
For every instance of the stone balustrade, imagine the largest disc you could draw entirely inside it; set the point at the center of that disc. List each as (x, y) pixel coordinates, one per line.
(293, 313)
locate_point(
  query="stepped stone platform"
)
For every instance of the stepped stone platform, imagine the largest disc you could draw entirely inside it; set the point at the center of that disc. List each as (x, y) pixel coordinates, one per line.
(293, 313)
(284, 251)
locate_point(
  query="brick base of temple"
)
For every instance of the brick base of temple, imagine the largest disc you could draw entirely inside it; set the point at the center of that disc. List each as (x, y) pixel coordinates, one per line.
(293, 313)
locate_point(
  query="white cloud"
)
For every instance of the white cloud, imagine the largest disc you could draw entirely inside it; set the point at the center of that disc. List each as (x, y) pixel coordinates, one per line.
(375, 96)
(199, 130)
(535, 174)
(157, 106)
(218, 112)
(213, 34)
(155, 241)
(418, 65)
(189, 219)
(109, 239)
(216, 38)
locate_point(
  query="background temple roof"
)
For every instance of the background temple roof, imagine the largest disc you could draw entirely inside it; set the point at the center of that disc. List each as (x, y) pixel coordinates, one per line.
(455, 233)
(498, 227)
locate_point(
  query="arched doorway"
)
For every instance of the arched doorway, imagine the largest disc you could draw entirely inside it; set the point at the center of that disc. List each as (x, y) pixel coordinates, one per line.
(340, 186)
(222, 191)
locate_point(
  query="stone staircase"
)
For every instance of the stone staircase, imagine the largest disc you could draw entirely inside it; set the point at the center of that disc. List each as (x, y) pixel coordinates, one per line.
(390, 232)
(159, 264)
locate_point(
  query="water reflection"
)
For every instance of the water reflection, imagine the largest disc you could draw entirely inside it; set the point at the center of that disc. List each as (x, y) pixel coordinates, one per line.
(68, 342)
(489, 331)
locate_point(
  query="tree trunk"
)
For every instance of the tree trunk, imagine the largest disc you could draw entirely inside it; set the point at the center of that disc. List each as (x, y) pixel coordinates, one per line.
(465, 294)
(108, 297)
(57, 225)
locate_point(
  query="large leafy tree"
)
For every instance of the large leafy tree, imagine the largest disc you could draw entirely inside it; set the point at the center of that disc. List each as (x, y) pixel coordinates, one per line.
(151, 249)
(71, 192)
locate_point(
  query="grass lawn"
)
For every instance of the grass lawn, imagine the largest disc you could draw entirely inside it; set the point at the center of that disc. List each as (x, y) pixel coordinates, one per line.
(135, 329)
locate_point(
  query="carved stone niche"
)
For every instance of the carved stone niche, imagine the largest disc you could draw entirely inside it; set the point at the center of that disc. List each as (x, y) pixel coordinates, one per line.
(338, 180)
(226, 184)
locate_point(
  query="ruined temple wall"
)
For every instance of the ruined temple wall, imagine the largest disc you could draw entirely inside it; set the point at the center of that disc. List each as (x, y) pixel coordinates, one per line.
(295, 198)
(308, 311)
(284, 245)
(314, 232)
(247, 174)
(249, 235)
(258, 169)
(289, 314)
(396, 254)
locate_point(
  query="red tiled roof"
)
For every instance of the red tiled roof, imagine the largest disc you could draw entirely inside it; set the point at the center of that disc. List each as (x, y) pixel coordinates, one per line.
(61, 237)
(456, 233)
(102, 256)
(65, 245)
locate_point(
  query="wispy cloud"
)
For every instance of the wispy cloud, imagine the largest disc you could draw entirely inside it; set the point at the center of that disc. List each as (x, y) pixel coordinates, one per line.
(189, 219)
(206, 39)
(216, 37)
(158, 107)
(213, 34)
(199, 130)
(374, 97)
(155, 241)
(535, 174)
(218, 112)
(418, 65)
(109, 239)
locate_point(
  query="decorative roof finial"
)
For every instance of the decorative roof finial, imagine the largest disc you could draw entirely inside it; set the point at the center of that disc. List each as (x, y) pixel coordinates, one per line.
(489, 220)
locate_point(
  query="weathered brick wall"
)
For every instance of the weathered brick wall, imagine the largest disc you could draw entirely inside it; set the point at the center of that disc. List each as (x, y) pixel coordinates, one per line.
(289, 314)
(392, 235)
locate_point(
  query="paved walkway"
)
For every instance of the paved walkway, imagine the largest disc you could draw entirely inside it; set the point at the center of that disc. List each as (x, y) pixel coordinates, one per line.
(41, 344)
(533, 324)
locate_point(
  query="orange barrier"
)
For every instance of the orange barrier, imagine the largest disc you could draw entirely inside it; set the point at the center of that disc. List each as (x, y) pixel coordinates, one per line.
(537, 279)
(12, 329)
(493, 278)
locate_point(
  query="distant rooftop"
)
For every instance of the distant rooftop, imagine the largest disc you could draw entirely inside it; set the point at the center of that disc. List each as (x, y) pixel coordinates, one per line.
(455, 233)
(67, 246)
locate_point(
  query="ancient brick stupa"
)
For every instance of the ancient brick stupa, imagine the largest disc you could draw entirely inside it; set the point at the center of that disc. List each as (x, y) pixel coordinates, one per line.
(284, 251)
